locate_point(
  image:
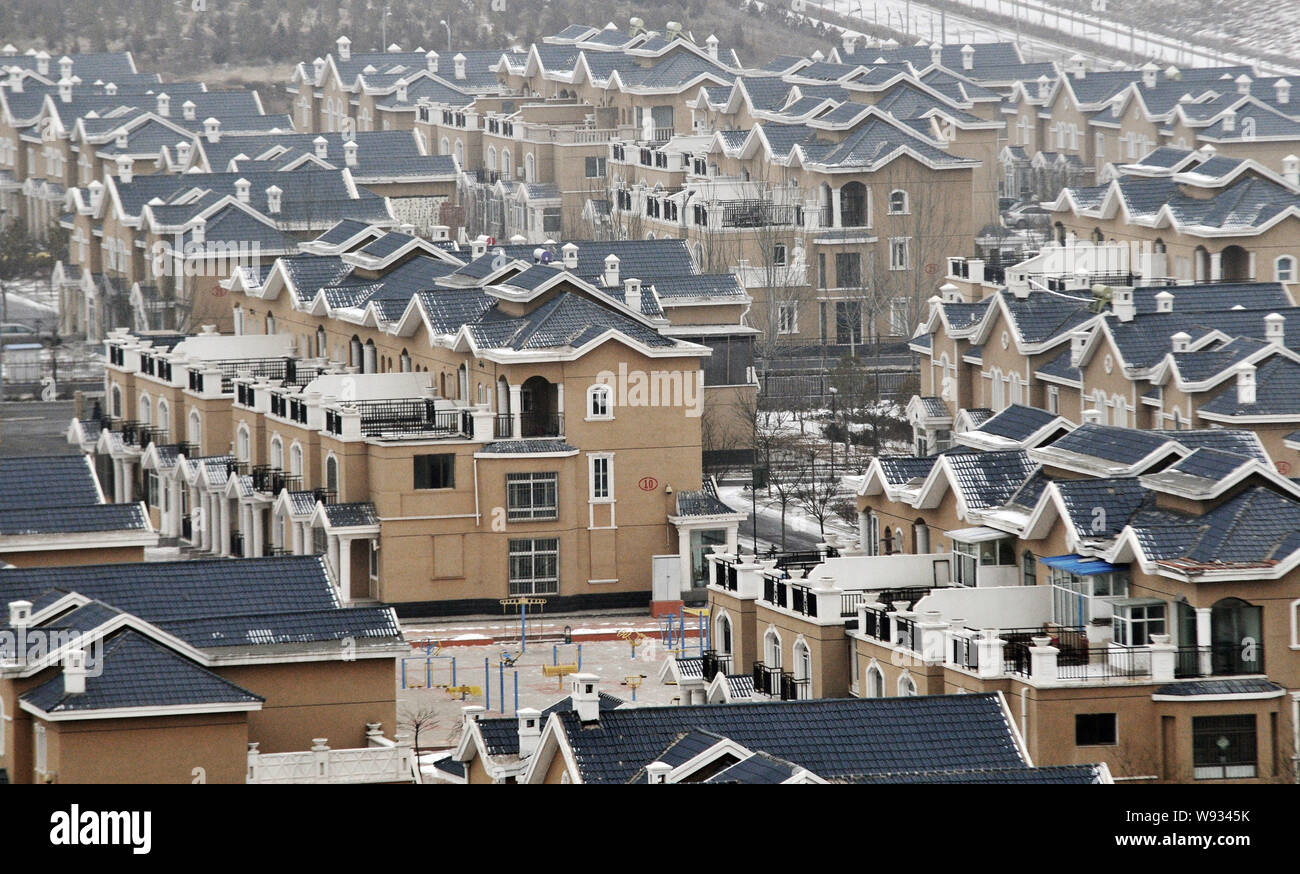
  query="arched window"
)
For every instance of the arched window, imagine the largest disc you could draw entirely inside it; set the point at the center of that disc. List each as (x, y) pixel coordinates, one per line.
(164, 421)
(321, 343)
(354, 352)
(115, 405)
(505, 163)
(332, 474)
(195, 436)
(920, 537)
(444, 147)
(529, 167)
(772, 649)
(875, 681)
(898, 203)
(144, 410)
(598, 402)
(722, 630)
(270, 323)
(243, 444)
(906, 685)
(460, 153)
(491, 158)
(277, 454)
(369, 361)
(1284, 269)
(295, 461)
(855, 206)
(802, 667)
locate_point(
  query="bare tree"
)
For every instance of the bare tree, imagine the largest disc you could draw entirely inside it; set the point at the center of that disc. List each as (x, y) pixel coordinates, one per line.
(816, 493)
(418, 719)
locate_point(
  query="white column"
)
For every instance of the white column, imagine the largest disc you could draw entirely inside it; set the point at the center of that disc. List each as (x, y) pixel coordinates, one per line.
(296, 537)
(257, 522)
(345, 567)
(835, 207)
(307, 539)
(1216, 266)
(119, 481)
(684, 555)
(1204, 639)
(559, 405)
(516, 414)
(1251, 266)
(223, 509)
(333, 555)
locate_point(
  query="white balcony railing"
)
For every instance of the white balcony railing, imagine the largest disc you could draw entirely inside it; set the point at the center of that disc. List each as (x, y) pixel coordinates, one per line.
(384, 761)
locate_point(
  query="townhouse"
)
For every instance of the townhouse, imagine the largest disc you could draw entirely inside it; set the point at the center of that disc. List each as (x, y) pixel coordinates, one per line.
(404, 413)
(591, 738)
(1130, 593)
(196, 672)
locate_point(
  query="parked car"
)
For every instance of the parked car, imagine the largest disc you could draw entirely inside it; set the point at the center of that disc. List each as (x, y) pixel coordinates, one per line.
(1028, 214)
(16, 333)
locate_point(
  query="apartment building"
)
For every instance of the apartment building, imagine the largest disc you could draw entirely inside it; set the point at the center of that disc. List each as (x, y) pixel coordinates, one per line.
(592, 738)
(52, 512)
(169, 672)
(379, 386)
(1121, 589)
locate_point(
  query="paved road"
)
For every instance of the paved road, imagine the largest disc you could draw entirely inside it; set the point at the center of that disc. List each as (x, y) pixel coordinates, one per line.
(35, 428)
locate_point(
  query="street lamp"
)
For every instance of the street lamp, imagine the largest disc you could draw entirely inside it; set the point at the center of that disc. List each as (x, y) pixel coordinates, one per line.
(444, 23)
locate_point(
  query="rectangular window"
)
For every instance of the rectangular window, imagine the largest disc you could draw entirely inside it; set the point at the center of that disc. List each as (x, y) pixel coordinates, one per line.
(535, 566)
(787, 319)
(435, 471)
(899, 323)
(966, 557)
(1054, 400)
(1223, 747)
(848, 322)
(848, 270)
(1133, 624)
(602, 485)
(531, 496)
(778, 255)
(595, 167)
(822, 279)
(1094, 729)
(151, 489)
(899, 255)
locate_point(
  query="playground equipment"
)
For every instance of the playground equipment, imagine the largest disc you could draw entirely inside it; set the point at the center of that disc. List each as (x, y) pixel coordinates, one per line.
(462, 691)
(635, 638)
(634, 682)
(508, 658)
(555, 655)
(559, 672)
(428, 669)
(672, 629)
(523, 603)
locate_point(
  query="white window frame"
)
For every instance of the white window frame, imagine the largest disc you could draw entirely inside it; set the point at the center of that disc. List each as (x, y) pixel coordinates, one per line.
(787, 318)
(551, 585)
(1290, 270)
(195, 429)
(595, 475)
(605, 412)
(243, 443)
(295, 459)
(906, 250)
(906, 686)
(277, 453)
(906, 206)
(533, 511)
(875, 681)
(40, 757)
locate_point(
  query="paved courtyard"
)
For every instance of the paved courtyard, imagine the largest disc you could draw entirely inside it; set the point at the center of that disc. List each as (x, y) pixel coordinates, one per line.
(475, 647)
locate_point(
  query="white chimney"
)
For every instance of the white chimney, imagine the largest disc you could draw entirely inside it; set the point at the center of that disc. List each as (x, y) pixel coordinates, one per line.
(65, 90)
(318, 68)
(459, 61)
(125, 169)
(122, 140)
(1180, 341)
(43, 63)
(164, 104)
(401, 92)
(187, 110)
(569, 254)
(1149, 73)
(1044, 87)
(1164, 302)
(20, 614)
(350, 153)
(1282, 91)
(1275, 329)
(394, 48)
(110, 89)
(1077, 66)
(273, 199)
(1078, 340)
(1246, 384)
(1291, 169)
(470, 713)
(711, 44)
(96, 189)
(1229, 118)
(198, 232)
(936, 53)
(183, 154)
(1243, 84)
(478, 247)
(212, 130)
(322, 147)
(65, 67)
(431, 61)
(74, 673)
(632, 294)
(968, 57)
(1121, 303)
(611, 271)
(848, 40)
(586, 697)
(15, 80)
(1092, 417)
(242, 187)
(344, 48)
(530, 730)
(951, 293)
(657, 772)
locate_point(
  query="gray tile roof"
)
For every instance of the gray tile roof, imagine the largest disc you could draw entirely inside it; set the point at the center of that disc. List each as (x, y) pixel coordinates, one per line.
(47, 481)
(1102, 507)
(73, 520)
(519, 447)
(1277, 392)
(701, 502)
(137, 672)
(1051, 775)
(1225, 686)
(1255, 528)
(830, 737)
(758, 769)
(1017, 422)
(988, 479)
(353, 514)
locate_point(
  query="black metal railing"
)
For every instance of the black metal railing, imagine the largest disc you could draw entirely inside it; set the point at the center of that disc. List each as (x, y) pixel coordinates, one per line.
(541, 424)
(795, 689)
(1105, 663)
(775, 591)
(905, 633)
(965, 653)
(849, 602)
(759, 213)
(1219, 659)
(237, 544)
(404, 418)
(772, 681)
(324, 496)
(503, 426)
(803, 599)
(1016, 659)
(714, 663)
(876, 624)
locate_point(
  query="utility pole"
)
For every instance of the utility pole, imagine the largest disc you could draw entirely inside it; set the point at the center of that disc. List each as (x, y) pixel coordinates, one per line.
(4, 317)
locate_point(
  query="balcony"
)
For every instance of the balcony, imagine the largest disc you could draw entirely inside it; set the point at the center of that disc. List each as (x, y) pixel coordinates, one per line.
(714, 663)
(272, 481)
(382, 762)
(403, 418)
(779, 684)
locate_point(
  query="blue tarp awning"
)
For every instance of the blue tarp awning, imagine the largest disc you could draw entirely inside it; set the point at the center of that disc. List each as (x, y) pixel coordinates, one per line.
(1080, 566)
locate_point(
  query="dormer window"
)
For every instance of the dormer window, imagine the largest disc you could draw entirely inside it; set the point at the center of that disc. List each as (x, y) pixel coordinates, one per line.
(599, 402)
